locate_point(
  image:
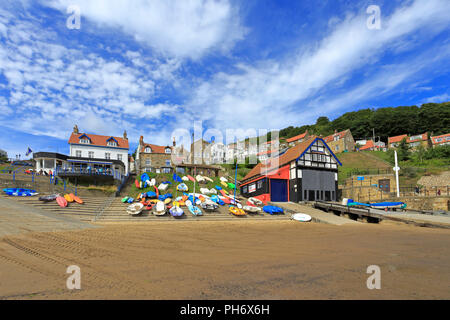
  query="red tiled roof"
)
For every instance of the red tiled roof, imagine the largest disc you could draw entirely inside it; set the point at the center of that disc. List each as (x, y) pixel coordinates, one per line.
(424, 137)
(98, 140)
(369, 144)
(340, 134)
(397, 138)
(445, 138)
(300, 136)
(290, 155)
(155, 148)
(265, 152)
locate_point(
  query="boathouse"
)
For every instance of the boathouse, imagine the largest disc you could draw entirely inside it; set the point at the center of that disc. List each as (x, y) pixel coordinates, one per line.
(306, 172)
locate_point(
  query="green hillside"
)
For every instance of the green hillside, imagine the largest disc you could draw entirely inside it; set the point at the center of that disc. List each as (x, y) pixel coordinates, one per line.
(387, 122)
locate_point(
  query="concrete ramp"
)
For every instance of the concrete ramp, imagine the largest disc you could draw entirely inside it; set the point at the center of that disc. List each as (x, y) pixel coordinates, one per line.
(16, 218)
(316, 214)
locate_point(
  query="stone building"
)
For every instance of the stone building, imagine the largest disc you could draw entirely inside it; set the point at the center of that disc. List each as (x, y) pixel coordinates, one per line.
(153, 158)
(341, 141)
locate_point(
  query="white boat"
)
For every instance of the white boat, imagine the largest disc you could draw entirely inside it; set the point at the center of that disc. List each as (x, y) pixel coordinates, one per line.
(301, 217)
(199, 178)
(209, 179)
(185, 178)
(159, 209)
(223, 179)
(163, 186)
(135, 209)
(255, 201)
(251, 209)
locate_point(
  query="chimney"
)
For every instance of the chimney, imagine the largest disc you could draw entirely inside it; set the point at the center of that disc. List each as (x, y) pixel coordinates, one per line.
(141, 140)
(75, 129)
(125, 135)
(174, 142)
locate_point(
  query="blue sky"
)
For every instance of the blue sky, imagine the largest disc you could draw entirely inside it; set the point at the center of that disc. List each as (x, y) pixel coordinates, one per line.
(150, 67)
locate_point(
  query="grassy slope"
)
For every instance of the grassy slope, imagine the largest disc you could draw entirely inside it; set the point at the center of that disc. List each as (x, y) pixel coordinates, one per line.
(132, 191)
(352, 161)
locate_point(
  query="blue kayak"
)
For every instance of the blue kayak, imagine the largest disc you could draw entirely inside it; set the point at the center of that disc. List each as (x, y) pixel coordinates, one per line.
(151, 194)
(195, 210)
(144, 177)
(388, 205)
(218, 188)
(272, 209)
(177, 178)
(20, 192)
(217, 200)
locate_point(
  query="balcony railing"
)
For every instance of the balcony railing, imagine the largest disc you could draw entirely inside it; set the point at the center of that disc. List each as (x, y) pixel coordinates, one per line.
(89, 172)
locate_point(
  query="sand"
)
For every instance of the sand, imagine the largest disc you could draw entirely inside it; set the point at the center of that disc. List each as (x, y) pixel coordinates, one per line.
(228, 260)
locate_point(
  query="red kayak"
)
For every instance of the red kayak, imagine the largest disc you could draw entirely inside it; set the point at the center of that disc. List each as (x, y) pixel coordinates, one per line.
(190, 178)
(61, 201)
(156, 191)
(137, 184)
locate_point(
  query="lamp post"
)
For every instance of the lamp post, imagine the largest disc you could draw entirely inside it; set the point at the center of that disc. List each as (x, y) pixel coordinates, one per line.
(396, 169)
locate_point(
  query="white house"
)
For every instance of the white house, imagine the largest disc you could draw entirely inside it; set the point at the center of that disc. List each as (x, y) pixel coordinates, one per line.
(84, 145)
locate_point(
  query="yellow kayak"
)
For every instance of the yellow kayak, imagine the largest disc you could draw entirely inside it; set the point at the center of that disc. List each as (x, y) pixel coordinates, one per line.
(236, 211)
(68, 197)
(167, 201)
(224, 184)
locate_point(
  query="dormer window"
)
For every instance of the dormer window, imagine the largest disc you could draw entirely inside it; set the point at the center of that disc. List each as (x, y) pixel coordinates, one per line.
(336, 138)
(148, 150)
(112, 143)
(85, 141)
(168, 150)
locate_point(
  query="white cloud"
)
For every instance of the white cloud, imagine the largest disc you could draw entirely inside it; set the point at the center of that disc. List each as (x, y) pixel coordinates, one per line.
(177, 28)
(439, 98)
(265, 94)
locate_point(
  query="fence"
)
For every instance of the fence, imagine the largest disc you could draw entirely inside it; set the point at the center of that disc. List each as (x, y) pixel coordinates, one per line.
(414, 191)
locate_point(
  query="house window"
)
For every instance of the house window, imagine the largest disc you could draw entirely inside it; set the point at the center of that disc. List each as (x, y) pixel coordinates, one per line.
(336, 138)
(148, 150)
(148, 169)
(244, 189)
(91, 154)
(148, 162)
(168, 150)
(259, 184)
(337, 148)
(166, 170)
(85, 141)
(112, 143)
(158, 170)
(119, 157)
(78, 153)
(167, 162)
(107, 155)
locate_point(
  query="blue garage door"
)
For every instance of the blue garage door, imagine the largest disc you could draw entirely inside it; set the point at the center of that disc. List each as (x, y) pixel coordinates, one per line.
(278, 190)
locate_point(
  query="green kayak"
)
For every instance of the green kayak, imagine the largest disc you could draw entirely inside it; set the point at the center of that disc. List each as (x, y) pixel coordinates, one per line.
(231, 185)
(125, 199)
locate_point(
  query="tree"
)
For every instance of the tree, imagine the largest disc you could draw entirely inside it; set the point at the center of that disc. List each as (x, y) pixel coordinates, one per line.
(403, 151)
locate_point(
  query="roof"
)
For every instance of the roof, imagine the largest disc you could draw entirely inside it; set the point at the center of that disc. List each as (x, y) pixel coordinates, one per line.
(290, 155)
(155, 148)
(420, 137)
(298, 137)
(444, 137)
(340, 134)
(266, 152)
(397, 138)
(98, 140)
(369, 144)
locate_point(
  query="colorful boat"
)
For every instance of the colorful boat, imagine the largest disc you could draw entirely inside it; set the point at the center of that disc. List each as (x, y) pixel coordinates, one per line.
(236, 211)
(51, 197)
(176, 211)
(61, 201)
(20, 192)
(251, 209)
(135, 209)
(125, 199)
(76, 199)
(68, 197)
(182, 187)
(191, 178)
(388, 205)
(159, 209)
(209, 206)
(272, 209)
(224, 184)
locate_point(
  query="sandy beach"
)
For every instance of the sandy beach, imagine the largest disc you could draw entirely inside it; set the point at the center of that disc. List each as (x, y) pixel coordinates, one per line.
(228, 260)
